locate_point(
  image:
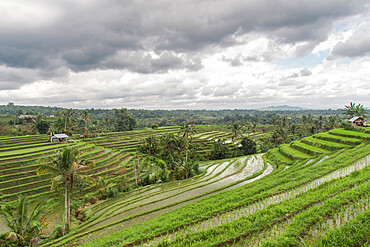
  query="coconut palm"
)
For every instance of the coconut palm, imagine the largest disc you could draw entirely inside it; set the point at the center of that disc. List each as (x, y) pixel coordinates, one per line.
(181, 144)
(148, 145)
(85, 116)
(169, 146)
(293, 129)
(67, 114)
(187, 131)
(354, 110)
(25, 228)
(220, 150)
(361, 111)
(104, 185)
(237, 129)
(64, 168)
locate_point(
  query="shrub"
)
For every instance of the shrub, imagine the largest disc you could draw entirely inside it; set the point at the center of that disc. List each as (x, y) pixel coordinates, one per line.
(248, 146)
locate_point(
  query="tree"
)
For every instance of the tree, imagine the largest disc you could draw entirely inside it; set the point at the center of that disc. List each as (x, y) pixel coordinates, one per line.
(236, 130)
(186, 168)
(149, 145)
(123, 120)
(104, 186)
(42, 126)
(220, 150)
(293, 129)
(107, 122)
(67, 114)
(354, 110)
(169, 146)
(331, 123)
(248, 146)
(64, 168)
(187, 131)
(25, 227)
(85, 117)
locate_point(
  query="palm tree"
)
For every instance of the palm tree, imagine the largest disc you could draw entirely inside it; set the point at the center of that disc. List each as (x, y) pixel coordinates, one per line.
(107, 121)
(181, 144)
(293, 129)
(104, 185)
(84, 115)
(361, 110)
(188, 131)
(354, 110)
(284, 121)
(236, 130)
(220, 150)
(332, 122)
(148, 145)
(67, 114)
(25, 227)
(273, 120)
(350, 109)
(168, 143)
(64, 168)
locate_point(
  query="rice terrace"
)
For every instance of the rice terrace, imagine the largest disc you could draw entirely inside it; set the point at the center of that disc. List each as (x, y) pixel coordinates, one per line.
(250, 181)
(185, 123)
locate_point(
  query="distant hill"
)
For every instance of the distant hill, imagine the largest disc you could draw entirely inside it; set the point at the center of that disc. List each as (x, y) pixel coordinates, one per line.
(282, 108)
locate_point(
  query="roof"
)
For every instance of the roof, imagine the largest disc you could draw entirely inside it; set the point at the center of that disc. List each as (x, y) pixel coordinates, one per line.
(27, 116)
(60, 136)
(355, 118)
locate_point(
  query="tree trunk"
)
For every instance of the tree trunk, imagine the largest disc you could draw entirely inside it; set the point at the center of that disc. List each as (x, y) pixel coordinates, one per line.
(135, 174)
(65, 206)
(138, 168)
(69, 208)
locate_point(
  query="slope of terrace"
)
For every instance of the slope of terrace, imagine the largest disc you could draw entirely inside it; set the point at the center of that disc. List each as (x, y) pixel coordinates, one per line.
(19, 158)
(322, 143)
(287, 202)
(129, 140)
(152, 201)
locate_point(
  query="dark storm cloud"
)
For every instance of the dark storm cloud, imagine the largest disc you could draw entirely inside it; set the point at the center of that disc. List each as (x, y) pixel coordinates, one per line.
(87, 35)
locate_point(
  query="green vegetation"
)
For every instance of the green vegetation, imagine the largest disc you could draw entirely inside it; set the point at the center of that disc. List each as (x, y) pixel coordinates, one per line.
(24, 228)
(191, 184)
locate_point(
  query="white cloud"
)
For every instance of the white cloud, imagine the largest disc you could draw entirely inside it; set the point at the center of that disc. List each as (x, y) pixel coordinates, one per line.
(166, 54)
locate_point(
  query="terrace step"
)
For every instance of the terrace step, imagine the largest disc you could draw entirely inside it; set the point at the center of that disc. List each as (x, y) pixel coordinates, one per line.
(350, 134)
(277, 157)
(308, 149)
(339, 139)
(292, 153)
(328, 145)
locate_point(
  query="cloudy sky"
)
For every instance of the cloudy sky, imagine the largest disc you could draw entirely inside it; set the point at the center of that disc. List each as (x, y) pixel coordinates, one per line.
(188, 54)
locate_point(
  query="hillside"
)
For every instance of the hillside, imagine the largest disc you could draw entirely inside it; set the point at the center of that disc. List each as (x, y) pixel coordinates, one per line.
(306, 192)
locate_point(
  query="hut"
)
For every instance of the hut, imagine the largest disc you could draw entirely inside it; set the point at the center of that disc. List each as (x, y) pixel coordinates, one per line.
(58, 137)
(357, 121)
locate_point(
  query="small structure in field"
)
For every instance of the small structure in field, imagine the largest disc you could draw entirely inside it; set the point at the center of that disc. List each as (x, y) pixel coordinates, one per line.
(357, 122)
(22, 116)
(58, 137)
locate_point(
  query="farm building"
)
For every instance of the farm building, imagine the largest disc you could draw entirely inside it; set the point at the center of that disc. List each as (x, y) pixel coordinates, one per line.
(357, 121)
(22, 116)
(58, 137)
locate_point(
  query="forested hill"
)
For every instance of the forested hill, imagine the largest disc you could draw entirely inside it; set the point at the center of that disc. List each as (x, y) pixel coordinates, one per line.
(146, 118)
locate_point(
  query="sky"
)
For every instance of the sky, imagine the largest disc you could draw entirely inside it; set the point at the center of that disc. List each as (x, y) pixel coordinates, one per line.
(185, 54)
